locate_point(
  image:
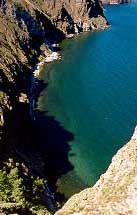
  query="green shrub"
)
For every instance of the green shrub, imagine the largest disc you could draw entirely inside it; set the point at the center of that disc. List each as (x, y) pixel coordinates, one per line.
(5, 189)
(38, 189)
(17, 187)
(11, 187)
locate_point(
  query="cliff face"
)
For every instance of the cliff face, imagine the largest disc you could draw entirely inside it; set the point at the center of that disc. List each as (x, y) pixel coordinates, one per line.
(24, 27)
(24, 22)
(115, 1)
(28, 30)
(74, 16)
(116, 191)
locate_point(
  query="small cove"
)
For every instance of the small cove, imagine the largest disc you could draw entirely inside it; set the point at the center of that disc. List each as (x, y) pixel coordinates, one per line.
(92, 93)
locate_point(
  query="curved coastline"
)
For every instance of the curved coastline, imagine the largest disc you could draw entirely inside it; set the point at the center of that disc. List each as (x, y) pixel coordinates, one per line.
(47, 57)
(33, 94)
(27, 28)
(55, 77)
(53, 56)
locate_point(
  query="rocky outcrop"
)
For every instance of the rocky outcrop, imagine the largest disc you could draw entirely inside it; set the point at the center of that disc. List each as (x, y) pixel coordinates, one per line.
(29, 33)
(73, 16)
(116, 191)
(24, 27)
(24, 22)
(115, 1)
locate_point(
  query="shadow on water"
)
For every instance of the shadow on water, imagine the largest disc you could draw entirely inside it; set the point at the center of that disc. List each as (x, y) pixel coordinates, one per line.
(42, 144)
(52, 141)
(53, 144)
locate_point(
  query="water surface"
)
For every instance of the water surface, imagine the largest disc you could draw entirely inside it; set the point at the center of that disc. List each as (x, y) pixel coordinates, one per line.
(92, 93)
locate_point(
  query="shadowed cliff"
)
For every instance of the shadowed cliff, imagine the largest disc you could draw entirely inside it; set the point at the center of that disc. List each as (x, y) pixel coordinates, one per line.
(28, 29)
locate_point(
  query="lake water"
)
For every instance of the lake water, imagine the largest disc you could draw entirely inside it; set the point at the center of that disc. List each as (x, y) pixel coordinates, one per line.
(92, 93)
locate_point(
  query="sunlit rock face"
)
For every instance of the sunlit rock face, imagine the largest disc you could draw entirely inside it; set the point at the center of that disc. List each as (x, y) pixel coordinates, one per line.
(115, 1)
(116, 191)
(23, 22)
(73, 16)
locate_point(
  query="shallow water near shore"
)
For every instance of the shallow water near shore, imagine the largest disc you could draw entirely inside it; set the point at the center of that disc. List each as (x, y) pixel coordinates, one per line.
(92, 93)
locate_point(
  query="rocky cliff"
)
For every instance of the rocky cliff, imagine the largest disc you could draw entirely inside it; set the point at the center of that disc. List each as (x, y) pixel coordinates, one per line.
(28, 30)
(24, 22)
(116, 191)
(74, 16)
(115, 1)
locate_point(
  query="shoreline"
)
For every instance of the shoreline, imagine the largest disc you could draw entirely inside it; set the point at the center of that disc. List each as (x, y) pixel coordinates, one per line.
(34, 89)
(28, 47)
(50, 57)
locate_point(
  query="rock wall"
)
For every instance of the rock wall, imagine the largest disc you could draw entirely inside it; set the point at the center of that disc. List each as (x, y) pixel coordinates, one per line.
(116, 191)
(74, 16)
(23, 22)
(25, 28)
(115, 1)
(28, 30)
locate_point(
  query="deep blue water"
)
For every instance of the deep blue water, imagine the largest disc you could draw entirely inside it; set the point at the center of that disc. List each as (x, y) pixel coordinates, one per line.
(92, 93)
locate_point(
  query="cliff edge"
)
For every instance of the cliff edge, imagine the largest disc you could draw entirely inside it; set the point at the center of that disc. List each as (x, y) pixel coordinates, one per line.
(26, 25)
(115, 1)
(75, 16)
(30, 32)
(116, 191)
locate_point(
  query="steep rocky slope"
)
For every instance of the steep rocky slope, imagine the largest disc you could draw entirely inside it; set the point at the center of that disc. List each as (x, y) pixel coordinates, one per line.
(28, 30)
(23, 22)
(115, 1)
(74, 16)
(116, 191)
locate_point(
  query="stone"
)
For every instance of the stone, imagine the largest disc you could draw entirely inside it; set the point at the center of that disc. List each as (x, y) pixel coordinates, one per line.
(115, 193)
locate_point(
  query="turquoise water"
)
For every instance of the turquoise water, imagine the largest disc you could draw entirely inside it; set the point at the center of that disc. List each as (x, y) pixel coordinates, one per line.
(92, 93)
